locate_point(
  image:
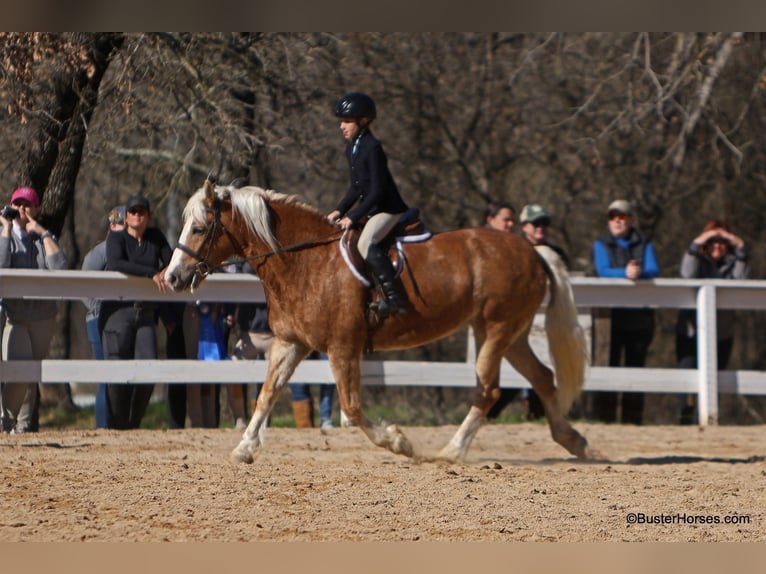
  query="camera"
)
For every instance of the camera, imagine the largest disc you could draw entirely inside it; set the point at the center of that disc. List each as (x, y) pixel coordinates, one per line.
(10, 212)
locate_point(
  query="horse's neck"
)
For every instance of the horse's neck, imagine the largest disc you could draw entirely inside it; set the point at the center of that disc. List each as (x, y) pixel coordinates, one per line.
(295, 228)
(295, 224)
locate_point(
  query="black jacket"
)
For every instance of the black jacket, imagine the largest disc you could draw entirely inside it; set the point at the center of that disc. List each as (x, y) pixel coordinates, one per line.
(371, 182)
(125, 254)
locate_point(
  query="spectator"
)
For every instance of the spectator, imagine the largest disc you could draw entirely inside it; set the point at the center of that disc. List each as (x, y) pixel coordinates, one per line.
(129, 327)
(95, 260)
(715, 253)
(373, 188)
(206, 332)
(303, 405)
(27, 325)
(175, 348)
(535, 221)
(623, 252)
(501, 215)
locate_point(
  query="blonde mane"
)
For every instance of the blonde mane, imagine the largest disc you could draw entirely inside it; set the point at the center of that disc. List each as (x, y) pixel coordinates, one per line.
(249, 203)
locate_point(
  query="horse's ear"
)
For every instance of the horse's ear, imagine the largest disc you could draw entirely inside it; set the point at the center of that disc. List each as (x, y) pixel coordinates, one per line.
(209, 193)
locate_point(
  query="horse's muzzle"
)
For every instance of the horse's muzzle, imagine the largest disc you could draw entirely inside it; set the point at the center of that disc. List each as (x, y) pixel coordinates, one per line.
(177, 283)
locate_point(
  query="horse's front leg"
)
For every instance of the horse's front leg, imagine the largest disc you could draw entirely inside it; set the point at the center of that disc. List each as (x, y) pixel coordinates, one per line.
(283, 358)
(347, 372)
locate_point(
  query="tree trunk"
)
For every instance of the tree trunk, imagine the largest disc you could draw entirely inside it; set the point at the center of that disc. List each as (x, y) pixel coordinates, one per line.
(52, 163)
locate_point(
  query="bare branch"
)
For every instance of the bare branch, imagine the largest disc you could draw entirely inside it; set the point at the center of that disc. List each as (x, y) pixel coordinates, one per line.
(703, 95)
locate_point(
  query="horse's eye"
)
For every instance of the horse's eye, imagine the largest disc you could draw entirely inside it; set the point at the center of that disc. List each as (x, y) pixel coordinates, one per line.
(198, 230)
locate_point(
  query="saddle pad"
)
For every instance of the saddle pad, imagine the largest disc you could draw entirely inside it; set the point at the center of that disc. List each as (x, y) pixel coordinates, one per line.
(398, 265)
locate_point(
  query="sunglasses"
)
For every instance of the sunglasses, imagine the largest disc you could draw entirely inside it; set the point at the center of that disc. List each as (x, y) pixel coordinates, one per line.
(540, 223)
(618, 217)
(138, 211)
(21, 203)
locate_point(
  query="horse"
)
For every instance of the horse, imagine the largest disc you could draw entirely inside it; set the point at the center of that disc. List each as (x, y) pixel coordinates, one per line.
(490, 280)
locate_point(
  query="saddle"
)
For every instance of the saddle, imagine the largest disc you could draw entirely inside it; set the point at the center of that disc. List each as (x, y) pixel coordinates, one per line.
(409, 229)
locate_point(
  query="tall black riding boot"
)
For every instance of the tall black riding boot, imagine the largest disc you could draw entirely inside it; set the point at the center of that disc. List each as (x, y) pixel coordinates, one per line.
(381, 267)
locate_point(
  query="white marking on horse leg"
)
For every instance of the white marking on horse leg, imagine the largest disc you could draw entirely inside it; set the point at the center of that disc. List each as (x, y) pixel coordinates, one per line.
(390, 437)
(253, 437)
(457, 448)
(283, 358)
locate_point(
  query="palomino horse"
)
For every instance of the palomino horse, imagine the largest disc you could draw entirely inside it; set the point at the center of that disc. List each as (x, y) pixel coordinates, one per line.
(493, 281)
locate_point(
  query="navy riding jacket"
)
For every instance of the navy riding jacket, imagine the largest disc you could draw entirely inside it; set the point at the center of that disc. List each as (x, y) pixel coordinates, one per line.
(372, 185)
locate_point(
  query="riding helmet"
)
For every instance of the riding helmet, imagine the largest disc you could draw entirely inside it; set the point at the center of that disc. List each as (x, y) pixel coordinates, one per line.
(354, 106)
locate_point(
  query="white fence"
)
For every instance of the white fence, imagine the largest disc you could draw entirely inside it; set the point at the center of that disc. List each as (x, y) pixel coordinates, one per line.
(706, 295)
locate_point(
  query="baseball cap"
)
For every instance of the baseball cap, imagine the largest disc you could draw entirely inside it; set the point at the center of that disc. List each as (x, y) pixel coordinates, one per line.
(620, 206)
(534, 212)
(27, 194)
(117, 215)
(137, 201)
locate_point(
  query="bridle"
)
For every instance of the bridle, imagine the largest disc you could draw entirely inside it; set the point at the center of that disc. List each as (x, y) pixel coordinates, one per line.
(202, 268)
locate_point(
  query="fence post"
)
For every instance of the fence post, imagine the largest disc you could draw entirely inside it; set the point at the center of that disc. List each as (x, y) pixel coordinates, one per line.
(470, 347)
(707, 356)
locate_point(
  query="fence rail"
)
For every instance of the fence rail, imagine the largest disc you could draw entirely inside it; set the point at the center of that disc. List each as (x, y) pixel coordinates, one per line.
(704, 295)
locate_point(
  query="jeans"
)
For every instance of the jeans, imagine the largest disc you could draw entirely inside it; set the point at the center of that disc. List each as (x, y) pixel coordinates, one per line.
(102, 406)
(302, 392)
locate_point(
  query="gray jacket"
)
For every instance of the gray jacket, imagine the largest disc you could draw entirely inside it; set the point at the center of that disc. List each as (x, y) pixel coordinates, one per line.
(28, 253)
(95, 260)
(695, 264)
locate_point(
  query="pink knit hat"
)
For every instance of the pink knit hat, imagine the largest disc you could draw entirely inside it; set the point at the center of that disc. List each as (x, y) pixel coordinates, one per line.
(28, 194)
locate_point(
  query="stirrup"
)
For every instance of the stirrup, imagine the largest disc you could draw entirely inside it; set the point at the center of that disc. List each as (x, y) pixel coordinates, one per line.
(381, 308)
(385, 308)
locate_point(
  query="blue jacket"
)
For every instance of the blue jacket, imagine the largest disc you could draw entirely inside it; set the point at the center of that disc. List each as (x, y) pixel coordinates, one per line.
(610, 257)
(612, 254)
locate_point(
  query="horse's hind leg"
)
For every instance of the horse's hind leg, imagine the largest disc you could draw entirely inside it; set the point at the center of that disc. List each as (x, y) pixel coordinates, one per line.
(283, 358)
(347, 373)
(487, 392)
(524, 360)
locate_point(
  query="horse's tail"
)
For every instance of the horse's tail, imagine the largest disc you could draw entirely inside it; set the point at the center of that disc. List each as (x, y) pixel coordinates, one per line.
(566, 339)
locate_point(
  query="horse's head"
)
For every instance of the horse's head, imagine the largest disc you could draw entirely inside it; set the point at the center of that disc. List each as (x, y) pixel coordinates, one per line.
(208, 238)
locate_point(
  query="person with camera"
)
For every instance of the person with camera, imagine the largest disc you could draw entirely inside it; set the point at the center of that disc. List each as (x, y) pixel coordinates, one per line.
(27, 326)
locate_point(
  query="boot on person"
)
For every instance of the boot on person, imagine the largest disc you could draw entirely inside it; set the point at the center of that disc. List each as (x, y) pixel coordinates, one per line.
(304, 414)
(380, 266)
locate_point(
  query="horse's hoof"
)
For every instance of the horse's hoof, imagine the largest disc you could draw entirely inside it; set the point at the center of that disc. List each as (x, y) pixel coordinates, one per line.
(400, 443)
(238, 456)
(444, 457)
(448, 454)
(581, 449)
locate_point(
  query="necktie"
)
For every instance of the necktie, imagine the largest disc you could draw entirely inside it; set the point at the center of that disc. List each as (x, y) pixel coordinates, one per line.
(356, 145)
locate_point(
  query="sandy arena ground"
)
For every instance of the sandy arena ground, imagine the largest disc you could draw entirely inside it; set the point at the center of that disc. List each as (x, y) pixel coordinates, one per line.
(312, 485)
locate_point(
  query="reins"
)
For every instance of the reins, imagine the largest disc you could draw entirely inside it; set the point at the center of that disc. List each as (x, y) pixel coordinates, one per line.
(325, 240)
(202, 268)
